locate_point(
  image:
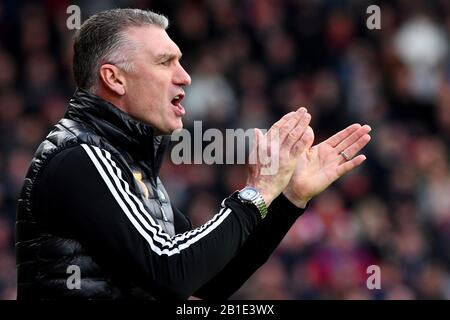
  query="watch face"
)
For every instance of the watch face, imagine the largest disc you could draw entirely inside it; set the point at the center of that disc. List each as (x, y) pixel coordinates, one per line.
(248, 193)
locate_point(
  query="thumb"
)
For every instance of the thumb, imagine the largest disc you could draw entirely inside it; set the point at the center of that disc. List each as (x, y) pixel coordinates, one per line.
(305, 143)
(257, 137)
(309, 138)
(258, 133)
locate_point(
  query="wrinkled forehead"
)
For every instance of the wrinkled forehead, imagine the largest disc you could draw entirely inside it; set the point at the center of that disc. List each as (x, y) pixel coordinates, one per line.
(153, 41)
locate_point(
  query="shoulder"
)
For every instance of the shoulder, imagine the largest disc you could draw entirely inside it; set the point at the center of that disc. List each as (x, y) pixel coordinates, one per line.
(64, 162)
(81, 160)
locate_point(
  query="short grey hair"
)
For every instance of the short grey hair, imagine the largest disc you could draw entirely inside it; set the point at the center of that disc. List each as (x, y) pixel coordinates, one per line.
(102, 39)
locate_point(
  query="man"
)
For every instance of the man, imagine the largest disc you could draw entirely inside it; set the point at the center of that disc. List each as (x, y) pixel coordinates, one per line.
(92, 203)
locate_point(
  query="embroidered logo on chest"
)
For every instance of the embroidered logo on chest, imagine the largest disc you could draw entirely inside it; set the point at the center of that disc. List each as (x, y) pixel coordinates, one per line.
(138, 176)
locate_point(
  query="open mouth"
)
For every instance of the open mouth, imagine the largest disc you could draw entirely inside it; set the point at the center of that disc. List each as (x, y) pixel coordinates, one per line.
(177, 99)
(176, 103)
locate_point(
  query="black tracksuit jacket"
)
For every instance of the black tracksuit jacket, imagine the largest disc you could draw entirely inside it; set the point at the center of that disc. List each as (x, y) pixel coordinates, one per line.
(92, 199)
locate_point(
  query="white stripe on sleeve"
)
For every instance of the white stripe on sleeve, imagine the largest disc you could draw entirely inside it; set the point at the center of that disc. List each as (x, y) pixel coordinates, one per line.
(159, 241)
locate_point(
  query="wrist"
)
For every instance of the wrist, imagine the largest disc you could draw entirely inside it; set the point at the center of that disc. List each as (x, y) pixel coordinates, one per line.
(252, 195)
(266, 194)
(299, 203)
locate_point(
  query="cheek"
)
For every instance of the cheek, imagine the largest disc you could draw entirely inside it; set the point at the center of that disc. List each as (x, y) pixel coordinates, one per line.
(154, 87)
(150, 89)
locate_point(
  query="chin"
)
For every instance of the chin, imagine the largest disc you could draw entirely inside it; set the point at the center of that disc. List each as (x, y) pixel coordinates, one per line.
(171, 129)
(179, 125)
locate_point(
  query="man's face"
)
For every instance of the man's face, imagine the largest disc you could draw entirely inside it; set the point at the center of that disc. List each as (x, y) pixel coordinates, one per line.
(154, 89)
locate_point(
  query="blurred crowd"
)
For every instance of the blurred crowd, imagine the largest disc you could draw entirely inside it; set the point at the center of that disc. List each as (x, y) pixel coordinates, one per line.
(252, 61)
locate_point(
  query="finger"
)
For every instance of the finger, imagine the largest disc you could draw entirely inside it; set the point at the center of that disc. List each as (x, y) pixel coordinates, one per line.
(297, 132)
(254, 146)
(262, 148)
(291, 124)
(259, 138)
(353, 138)
(352, 150)
(308, 138)
(276, 137)
(350, 165)
(305, 142)
(283, 126)
(256, 139)
(287, 117)
(341, 135)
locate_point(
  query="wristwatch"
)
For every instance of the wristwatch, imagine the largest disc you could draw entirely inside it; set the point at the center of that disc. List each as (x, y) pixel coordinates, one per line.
(253, 196)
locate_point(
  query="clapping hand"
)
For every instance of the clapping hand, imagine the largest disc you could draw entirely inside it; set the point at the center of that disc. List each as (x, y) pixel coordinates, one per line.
(322, 164)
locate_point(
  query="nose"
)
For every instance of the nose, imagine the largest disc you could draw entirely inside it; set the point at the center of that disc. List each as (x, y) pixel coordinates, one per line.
(181, 77)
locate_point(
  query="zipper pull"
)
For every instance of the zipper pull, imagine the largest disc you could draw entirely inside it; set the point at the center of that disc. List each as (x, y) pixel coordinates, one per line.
(163, 213)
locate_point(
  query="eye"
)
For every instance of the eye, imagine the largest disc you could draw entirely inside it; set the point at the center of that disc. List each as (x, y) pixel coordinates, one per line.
(166, 62)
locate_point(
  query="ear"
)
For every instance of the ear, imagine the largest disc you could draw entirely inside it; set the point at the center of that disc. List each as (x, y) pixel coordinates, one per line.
(112, 78)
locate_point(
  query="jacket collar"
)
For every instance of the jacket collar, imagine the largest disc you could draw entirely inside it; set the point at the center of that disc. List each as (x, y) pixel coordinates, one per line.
(123, 132)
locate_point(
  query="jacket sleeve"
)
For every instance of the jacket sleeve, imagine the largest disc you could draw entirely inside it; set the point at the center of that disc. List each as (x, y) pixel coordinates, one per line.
(88, 196)
(255, 252)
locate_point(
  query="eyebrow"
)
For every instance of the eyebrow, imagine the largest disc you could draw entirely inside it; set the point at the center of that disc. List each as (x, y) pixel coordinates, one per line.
(168, 56)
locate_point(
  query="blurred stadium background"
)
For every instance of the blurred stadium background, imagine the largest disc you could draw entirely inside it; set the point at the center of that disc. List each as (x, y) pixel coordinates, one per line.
(252, 61)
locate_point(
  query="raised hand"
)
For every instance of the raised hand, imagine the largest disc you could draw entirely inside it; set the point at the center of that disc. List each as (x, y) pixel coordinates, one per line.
(324, 163)
(282, 145)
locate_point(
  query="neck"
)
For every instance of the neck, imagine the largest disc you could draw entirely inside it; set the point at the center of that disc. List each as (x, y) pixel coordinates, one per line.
(111, 97)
